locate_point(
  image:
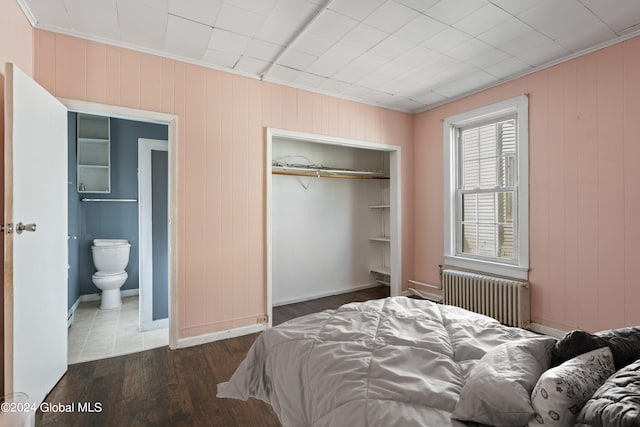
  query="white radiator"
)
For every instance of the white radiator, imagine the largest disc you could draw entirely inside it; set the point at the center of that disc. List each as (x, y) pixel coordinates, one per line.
(506, 300)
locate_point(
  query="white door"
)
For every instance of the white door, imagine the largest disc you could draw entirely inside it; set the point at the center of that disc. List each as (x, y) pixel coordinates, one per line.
(35, 260)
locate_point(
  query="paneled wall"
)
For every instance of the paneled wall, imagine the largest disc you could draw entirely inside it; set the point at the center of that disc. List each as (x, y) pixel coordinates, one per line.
(221, 154)
(584, 118)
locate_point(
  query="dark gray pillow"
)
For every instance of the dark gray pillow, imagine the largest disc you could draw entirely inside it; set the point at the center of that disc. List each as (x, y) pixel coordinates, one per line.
(616, 402)
(624, 344)
(498, 388)
(573, 344)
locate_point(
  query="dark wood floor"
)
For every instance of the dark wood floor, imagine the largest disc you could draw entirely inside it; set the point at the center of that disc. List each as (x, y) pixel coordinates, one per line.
(162, 387)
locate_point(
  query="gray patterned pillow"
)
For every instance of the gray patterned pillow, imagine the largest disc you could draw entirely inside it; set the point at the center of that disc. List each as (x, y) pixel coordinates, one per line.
(561, 392)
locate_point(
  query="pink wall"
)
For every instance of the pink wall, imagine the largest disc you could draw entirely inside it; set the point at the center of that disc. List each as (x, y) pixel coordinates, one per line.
(221, 121)
(584, 198)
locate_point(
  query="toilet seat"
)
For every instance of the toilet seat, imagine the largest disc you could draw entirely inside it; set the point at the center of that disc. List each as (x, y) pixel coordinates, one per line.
(103, 275)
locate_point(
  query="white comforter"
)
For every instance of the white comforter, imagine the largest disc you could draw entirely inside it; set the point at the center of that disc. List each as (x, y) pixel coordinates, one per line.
(390, 362)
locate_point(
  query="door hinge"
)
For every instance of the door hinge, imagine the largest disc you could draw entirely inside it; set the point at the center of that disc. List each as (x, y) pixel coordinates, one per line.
(8, 228)
(262, 319)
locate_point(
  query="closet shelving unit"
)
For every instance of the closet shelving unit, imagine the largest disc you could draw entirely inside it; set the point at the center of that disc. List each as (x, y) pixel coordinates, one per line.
(382, 272)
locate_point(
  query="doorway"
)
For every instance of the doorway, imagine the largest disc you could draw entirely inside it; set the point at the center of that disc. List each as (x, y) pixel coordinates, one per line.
(309, 157)
(110, 187)
(171, 161)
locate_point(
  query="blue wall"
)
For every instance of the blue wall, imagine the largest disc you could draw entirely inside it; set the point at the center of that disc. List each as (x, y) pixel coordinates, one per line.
(106, 220)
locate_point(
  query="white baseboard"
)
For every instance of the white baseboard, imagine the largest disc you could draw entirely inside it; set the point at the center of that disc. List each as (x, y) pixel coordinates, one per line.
(422, 294)
(96, 297)
(325, 294)
(222, 335)
(71, 312)
(546, 330)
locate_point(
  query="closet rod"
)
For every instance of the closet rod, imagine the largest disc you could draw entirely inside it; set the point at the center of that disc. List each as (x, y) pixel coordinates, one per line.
(108, 200)
(324, 175)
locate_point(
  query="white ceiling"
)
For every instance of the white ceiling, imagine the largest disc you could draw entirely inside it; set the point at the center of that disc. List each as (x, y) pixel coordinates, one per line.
(408, 55)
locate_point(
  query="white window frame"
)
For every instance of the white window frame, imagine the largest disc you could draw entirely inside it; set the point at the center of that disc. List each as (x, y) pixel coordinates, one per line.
(518, 269)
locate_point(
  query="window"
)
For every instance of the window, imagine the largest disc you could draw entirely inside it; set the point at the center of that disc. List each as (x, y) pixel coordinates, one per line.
(486, 189)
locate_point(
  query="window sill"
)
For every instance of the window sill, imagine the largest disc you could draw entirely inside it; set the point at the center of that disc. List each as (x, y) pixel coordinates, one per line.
(512, 271)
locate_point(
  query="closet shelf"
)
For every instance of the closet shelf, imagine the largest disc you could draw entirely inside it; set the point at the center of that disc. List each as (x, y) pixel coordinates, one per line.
(380, 239)
(382, 270)
(320, 171)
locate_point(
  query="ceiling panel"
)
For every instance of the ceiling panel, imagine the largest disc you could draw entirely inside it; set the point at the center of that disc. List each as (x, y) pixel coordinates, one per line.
(449, 13)
(403, 54)
(54, 11)
(419, 5)
(558, 19)
(420, 29)
(620, 17)
(360, 67)
(391, 47)
(262, 7)
(251, 65)
(483, 19)
(333, 60)
(296, 59)
(364, 37)
(446, 40)
(226, 41)
(225, 59)
(95, 17)
(356, 9)
(391, 16)
(283, 74)
(332, 25)
(584, 38)
(238, 20)
(263, 50)
(187, 38)
(150, 35)
(201, 11)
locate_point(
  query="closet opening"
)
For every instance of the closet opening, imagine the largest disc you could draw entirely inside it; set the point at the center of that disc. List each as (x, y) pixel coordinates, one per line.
(333, 217)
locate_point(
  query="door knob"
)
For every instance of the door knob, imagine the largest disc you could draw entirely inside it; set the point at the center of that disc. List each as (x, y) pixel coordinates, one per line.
(20, 227)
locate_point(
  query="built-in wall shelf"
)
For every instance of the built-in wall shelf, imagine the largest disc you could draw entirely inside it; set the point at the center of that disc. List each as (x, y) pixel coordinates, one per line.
(382, 270)
(381, 236)
(93, 154)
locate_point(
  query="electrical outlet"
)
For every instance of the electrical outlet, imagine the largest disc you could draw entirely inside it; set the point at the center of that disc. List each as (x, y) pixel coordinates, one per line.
(263, 319)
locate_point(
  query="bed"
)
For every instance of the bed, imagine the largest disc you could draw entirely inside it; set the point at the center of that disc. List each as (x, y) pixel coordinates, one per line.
(408, 362)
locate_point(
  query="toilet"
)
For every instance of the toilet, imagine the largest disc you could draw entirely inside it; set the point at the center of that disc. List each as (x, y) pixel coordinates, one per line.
(110, 257)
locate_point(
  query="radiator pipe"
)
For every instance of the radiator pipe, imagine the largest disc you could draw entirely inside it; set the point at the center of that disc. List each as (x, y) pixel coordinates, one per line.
(428, 285)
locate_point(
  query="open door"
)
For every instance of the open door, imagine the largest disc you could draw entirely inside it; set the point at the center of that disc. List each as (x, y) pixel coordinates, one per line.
(35, 237)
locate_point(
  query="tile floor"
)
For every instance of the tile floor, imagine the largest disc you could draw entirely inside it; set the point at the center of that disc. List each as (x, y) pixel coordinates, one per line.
(98, 334)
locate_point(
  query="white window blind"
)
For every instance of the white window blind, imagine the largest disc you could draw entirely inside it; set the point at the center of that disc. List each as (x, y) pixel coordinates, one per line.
(487, 189)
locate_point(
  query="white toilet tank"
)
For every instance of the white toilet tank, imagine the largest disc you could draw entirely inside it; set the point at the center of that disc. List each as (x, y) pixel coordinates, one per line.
(110, 255)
